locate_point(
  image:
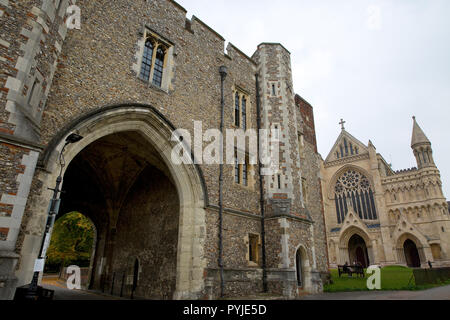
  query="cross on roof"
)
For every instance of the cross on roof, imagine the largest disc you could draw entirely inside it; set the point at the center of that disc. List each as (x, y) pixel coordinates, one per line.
(342, 124)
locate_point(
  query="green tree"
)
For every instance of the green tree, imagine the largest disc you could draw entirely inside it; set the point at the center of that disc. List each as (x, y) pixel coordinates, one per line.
(72, 240)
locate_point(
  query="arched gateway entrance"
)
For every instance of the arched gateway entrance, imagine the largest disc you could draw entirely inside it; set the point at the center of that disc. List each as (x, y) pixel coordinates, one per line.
(411, 254)
(357, 250)
(144, 206)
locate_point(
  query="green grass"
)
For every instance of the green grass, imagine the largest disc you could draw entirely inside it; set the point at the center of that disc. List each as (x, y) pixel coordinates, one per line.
(392, 278)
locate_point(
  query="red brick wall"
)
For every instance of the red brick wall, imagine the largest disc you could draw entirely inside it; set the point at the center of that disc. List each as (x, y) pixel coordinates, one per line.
(307, 112)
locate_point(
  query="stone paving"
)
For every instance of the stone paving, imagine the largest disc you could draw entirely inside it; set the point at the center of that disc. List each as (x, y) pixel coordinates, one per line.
(439, 293)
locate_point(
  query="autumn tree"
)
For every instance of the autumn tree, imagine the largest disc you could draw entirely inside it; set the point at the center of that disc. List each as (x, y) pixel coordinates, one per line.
(71, 243)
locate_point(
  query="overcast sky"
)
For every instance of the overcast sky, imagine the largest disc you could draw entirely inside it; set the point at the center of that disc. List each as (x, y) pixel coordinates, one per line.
(374, 63)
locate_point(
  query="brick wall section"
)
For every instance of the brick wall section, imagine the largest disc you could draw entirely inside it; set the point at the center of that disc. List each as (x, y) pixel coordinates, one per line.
(307, 114)
(311, 172)
(148, 230)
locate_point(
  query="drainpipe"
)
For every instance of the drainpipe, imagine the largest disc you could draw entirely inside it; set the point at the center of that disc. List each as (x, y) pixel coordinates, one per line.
(261, 188)
(223, 75)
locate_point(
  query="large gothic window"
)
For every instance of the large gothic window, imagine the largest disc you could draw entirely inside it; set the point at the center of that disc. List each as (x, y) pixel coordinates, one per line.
(354, 189)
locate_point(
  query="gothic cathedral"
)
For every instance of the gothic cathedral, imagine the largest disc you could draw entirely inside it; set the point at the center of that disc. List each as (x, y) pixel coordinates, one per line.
(375, 215)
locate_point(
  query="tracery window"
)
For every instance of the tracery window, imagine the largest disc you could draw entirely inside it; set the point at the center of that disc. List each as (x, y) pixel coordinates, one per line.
(153, 60)
(237, 110)
(159, 66)
(242, 170)
(240, 109)
(353, 189)
(147, 60)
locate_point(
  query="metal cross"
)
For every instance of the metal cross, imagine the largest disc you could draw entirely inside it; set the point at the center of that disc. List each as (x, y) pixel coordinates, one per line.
(342, 124)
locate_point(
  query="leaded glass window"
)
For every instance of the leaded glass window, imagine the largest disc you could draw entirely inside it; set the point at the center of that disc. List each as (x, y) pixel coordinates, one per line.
(147, 57)
(237, 110)
(159, 66)
(353, 189)
(245, 174)
(244, 113)
(237, 177)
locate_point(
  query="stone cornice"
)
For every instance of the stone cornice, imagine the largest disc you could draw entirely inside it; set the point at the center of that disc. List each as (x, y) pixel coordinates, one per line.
(410, 175)
(345, 160)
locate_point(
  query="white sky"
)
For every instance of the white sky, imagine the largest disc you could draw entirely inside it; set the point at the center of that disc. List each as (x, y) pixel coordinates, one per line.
(374, 63)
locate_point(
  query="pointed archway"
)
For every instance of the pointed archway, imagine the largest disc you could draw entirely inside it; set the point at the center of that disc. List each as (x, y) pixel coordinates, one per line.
(357, 251)
(126, 154)
(411, 254)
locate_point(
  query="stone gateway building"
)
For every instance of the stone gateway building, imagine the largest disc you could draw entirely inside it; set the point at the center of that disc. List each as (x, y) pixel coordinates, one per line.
(377, 216)
(133, 73)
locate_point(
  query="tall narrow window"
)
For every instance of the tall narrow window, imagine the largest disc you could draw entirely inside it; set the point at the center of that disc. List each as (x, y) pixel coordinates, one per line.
(346, 147)
(237, 110)
(159, 66)
(273, 90)
(279, 181)
(305, 189)
(245, 174)
(147, 60)
(423, 155)
(244, 113)
(237, 176)
(277, 132)
(253, 248)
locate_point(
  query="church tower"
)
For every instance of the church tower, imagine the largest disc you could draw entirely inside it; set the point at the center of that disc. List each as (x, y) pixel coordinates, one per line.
(421, 147)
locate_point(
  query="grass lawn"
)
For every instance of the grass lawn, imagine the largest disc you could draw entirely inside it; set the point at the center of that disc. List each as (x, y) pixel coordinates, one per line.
(392, 278)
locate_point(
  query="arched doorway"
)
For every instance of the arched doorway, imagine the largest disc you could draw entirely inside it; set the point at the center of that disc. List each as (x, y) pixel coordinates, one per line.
(411, 254)
(135, 277)
(357, 251)
(124, 183)
(122, 176)
(300, 268)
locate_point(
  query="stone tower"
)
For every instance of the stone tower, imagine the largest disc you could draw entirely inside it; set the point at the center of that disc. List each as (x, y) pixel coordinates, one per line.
(288, 221)
(283, 189)
(421, 147)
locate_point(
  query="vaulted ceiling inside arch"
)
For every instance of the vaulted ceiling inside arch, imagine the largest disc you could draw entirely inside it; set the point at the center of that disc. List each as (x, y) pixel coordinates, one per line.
(100, 177)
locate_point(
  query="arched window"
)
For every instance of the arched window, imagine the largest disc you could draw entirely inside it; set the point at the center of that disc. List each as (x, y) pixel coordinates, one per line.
(353, 189)
(237, 110)
(159, 66)
(237, 177)
(147, 60)
(299, 266)
(244, 113)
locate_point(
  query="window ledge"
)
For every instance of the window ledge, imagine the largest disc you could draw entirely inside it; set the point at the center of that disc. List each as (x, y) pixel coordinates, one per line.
(152, 86)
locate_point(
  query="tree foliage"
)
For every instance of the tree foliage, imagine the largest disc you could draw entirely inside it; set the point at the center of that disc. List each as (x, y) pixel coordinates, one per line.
(72, 240)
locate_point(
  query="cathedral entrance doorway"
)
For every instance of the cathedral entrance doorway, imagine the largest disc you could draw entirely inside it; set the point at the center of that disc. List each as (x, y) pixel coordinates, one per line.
(357, 250)
(411, 254)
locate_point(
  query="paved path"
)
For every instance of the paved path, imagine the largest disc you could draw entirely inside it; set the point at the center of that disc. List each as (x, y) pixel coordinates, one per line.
(62, 293)
(439, 293)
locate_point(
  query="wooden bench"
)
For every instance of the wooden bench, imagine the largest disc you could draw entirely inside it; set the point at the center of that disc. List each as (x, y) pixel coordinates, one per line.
(350, 270)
